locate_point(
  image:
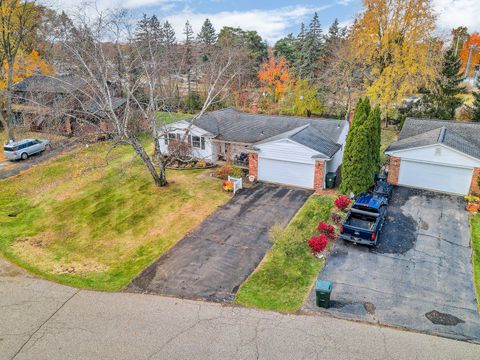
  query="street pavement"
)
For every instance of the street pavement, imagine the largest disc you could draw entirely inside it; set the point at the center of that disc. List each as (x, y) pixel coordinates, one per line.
(45, 320)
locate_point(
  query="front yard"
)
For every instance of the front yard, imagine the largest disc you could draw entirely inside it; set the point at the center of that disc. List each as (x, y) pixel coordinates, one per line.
(284, 278)
(82, 222)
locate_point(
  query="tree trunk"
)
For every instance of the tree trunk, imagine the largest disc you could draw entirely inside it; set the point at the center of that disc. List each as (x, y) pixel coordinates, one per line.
(8, 105)
(159, 179)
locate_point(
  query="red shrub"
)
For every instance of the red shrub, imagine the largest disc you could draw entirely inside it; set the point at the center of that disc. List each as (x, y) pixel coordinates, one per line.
(327, 229)
(342, 202)
(318, 243)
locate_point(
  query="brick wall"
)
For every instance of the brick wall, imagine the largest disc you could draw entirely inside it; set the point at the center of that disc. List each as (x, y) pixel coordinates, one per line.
(393, 170)
(474, 188)
(318, 179)
(253, 164)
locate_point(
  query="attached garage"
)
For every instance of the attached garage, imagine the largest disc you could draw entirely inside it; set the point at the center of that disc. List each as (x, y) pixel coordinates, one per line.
(286, 172)
(439, 177)
(436, 155)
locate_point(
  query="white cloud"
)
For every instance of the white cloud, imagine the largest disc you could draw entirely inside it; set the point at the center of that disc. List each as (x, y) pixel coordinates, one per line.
(270, 24)
(454, 13)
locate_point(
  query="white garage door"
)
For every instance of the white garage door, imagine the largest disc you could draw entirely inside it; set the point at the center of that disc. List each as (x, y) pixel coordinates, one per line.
(286, 172)
(435, 177)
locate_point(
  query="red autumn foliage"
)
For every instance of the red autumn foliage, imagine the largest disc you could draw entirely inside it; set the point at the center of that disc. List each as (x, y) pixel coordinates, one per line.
(342, 202)
(327, 229)
(318, 243)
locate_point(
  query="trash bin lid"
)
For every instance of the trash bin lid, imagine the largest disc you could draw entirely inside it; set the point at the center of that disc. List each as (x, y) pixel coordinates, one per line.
(323, 285)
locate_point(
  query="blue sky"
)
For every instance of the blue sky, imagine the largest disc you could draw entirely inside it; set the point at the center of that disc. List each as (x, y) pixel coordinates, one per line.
(275, 19)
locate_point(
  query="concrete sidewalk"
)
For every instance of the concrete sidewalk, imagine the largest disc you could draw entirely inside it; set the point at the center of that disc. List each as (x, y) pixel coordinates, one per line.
(44, 320)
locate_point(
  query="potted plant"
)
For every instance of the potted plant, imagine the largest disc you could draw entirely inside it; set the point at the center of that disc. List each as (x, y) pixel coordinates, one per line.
(228, 186)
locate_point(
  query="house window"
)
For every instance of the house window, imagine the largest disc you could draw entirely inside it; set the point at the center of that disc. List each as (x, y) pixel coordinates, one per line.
(203, 143)
(196, 141)
(169, 137)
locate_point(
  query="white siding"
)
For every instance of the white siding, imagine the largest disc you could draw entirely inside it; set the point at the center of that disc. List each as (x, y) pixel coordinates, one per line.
(179, 128)
(337, 159)
(287, 150)
(437, 154)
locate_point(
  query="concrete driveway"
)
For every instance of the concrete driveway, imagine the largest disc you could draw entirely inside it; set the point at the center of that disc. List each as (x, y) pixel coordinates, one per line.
(418, 277)
(212, 261)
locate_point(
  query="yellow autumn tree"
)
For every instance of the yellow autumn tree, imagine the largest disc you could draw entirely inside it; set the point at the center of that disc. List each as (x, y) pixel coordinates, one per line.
(19, 20)
(25, 65)
(394, 39)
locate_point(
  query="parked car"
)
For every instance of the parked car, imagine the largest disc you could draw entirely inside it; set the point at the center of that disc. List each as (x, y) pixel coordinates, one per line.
(365, 220)
(24, 148)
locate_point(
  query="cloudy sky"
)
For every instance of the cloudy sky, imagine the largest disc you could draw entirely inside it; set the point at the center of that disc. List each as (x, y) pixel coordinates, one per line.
(274, 19)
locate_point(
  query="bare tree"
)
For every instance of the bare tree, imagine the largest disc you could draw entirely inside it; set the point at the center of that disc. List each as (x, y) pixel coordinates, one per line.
(114, 67)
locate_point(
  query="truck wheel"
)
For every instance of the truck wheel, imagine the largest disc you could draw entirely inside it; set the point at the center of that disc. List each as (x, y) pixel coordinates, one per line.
(24, 156)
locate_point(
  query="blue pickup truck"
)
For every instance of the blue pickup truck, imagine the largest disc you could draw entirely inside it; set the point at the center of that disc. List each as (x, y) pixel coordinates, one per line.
(365, 219)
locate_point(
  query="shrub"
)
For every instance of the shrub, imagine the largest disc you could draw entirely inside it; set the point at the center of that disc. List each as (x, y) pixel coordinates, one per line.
(225, 171)
(327, 230)
(342, 202)
(318, 243)
(201, 163)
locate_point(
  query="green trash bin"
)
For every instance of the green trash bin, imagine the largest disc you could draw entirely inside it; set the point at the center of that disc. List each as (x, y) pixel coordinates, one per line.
(330, 180)
(323, 289)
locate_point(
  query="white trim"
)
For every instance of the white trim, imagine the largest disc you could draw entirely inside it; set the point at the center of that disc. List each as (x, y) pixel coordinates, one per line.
(394, 152)
(436, 163)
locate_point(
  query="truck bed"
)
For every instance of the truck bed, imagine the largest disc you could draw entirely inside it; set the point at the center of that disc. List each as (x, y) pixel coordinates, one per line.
(362, 223)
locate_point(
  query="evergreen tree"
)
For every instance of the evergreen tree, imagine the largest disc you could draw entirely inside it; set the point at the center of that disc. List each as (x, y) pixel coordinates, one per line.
(442, 100)
(207, 35)
(373, 125)
(142, 30)
(168, 34)
(476, 104)
(311, 51)
(357, 165)
(156, 30)
(333, 37)
(286, 48)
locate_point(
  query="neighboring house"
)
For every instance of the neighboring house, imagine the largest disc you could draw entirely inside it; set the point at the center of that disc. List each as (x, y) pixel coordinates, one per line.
(280, 149)
(436, 155)
(60, 104)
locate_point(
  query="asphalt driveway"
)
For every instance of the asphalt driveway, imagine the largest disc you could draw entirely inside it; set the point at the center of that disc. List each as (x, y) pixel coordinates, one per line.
(212, 261)
(418, 277)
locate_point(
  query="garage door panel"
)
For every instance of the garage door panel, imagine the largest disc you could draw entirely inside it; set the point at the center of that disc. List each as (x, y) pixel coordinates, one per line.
(286, 172)
(435, 177)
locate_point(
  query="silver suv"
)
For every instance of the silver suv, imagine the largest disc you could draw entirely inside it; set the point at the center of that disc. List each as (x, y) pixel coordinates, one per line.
(24, 148)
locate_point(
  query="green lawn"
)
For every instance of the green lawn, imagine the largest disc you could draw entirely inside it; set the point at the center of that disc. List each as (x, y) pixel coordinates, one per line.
(283, 280)
(475, 227)
(170, 117)
(81, 222)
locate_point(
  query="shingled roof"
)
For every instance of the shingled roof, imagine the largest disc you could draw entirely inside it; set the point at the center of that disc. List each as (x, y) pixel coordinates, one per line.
(461, 136)
(232, 125)
(50, 84)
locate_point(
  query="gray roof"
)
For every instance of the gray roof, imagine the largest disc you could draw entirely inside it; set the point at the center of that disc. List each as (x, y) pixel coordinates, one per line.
(230, 124)
(461, 136)
(93, 107)
(45, 83)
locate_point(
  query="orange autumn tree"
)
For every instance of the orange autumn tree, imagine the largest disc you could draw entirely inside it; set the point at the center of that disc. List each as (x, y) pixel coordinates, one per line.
(274, 76)
(25, 65)
(473, 40)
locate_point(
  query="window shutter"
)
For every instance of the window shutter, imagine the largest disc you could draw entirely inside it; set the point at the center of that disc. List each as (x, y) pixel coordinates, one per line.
(202, 140)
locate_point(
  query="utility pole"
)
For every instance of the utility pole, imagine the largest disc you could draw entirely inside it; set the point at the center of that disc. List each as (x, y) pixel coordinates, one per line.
(470, 54)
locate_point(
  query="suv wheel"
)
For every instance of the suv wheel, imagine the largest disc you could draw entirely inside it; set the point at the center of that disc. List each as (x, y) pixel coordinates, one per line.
(24, 156)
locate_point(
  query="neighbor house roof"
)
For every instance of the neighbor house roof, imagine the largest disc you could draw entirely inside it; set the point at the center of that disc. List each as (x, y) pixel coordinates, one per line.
(461, 136)
(45, 83)
(93, 107)
(232, 125)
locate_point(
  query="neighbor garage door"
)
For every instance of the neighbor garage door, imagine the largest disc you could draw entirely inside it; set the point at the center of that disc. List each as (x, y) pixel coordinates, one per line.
(435, 177)
(286, 172)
